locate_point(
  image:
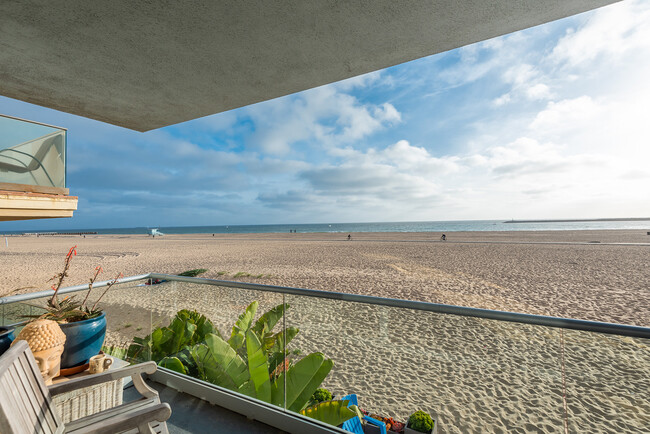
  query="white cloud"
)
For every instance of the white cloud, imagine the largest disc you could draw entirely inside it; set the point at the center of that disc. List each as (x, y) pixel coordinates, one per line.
(325, 115)
(538, 92)
(364, 80)
(610, 32)
(565, 114)
(502, 100)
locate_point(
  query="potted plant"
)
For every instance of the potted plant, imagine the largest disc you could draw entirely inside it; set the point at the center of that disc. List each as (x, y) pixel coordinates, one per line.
(420, 422)
(83, 325)
(6, 338)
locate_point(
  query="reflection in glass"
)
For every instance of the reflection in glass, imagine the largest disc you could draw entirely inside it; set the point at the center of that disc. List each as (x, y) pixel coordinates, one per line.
(32, 154)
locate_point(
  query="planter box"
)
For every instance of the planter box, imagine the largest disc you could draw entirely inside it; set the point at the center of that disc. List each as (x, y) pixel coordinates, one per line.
(408, 430)
(371, 429)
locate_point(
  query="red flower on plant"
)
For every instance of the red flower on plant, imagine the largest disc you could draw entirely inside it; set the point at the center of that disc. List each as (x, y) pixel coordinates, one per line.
(73, 250)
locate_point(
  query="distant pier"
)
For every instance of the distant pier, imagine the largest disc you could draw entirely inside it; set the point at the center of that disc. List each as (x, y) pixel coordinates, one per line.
(640, 219)
(43, 234)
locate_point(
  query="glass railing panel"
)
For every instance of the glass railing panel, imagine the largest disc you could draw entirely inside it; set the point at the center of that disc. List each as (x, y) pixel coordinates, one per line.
(607, 382)
(15, 313)
(191, 330)
(470, 374)
(32, 154)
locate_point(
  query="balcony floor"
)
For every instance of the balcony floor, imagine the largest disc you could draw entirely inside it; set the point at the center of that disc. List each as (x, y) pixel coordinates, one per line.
(193, 415)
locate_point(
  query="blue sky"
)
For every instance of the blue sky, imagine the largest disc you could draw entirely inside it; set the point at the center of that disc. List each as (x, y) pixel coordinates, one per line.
(549, 122)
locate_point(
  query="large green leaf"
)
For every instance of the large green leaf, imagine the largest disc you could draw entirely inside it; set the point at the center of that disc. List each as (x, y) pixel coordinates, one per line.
(242, 325)
(225, 356)
(258, 367)
(267, 321)
(183, 331)
(187, 360)
(204, 327)
(208, 369)
(304, 378)
(248, 389)
(277, 352)
(331, 412)
(153, 347)
(174, 364)
(276, 342)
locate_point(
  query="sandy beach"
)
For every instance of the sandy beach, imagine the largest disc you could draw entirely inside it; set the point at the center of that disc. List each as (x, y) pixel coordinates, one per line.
(473, 375)
(573, 274)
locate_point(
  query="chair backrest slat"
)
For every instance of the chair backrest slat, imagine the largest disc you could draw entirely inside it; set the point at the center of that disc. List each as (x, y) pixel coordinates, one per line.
(25, 403)
(11, 403)
(40, 402)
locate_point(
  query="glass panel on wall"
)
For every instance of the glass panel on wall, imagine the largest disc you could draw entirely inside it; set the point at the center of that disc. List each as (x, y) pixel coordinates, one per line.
(32, 153)
(15, 313)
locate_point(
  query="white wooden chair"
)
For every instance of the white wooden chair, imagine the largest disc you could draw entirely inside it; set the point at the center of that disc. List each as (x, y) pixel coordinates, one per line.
(26, 405)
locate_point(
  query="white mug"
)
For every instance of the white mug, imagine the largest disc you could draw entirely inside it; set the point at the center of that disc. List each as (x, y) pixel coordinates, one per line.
(100, 363)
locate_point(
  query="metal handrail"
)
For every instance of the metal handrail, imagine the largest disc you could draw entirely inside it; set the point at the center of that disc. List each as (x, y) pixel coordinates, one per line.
(523, 318)
(33, 122)
(48, 292)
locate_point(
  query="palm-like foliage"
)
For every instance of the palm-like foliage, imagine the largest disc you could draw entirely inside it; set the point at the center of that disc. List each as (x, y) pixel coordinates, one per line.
(253, 361)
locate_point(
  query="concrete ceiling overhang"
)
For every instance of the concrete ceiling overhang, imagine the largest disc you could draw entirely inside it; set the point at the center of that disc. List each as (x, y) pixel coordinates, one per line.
(147, 64)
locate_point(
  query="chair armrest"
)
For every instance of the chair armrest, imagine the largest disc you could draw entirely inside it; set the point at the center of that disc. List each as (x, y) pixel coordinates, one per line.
(373, 421)
(120, 422)
(92, 380)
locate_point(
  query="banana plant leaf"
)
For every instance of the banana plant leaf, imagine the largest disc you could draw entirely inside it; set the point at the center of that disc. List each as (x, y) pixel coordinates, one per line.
(153, 347)
(331, 412)
(258, 367)
(241, 326)
(174, 364)
(203, 325)
(276, 343)
(295, 380)
(302, 380)
(266, 322)
(248, 389)
(228, 359)
(277, 352)
(185, 330)
(208, 369)
(182, 335)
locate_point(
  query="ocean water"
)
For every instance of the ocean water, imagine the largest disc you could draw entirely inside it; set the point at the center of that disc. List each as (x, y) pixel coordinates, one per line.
(441, 226)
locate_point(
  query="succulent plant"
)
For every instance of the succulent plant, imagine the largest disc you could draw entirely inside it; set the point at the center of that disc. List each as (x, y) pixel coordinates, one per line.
(69, 309)
(320, 395)
(420, 421)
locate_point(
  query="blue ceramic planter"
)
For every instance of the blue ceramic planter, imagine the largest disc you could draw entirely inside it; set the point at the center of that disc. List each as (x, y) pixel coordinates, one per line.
(84, 339)
(6, 337)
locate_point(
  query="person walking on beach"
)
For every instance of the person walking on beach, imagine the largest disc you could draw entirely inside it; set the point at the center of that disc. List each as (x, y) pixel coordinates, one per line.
(349, 237)
(443, 237)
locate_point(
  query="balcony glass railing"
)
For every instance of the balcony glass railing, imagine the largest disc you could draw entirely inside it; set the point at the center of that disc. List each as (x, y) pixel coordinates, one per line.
(472, 370)
(32, 153)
